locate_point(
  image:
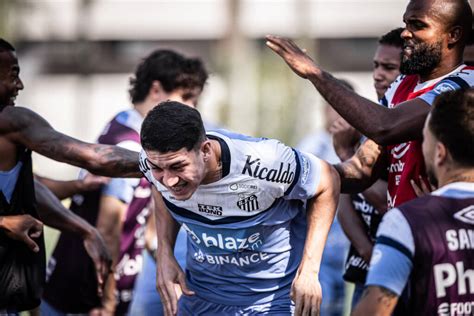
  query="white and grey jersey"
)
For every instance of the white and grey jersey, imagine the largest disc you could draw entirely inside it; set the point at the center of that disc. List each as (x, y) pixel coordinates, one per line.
(247, 230)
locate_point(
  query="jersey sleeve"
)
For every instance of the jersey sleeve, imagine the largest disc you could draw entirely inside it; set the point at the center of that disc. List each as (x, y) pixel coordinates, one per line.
(391, 262)
(307, 176)
(461, 80)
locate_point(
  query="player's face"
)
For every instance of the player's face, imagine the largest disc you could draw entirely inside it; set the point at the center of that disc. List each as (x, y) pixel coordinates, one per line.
(188, 97)
(180, 171)
(423, 39)
(386, 67)
(428, 147)
(10, 82)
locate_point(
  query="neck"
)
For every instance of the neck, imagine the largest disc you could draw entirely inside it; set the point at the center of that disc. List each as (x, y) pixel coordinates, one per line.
(214, 164)
(144, 107)
(459, 175)
(447, 65)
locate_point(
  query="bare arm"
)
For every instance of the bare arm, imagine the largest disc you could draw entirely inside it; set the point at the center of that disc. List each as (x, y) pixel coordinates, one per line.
(112, 211)
(54, 214)
(66, 189)
(27, 128)
(306, 290)
(376, 300)
(354, 228)
(170, 278)
(393, 126)
(363, 169)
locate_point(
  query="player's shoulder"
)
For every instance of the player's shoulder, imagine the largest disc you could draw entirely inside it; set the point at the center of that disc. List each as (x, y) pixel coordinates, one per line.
(392, 89)
(13, 118)
(242, 146)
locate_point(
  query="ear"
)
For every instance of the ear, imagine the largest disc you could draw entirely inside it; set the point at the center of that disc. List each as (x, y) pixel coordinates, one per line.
(206, 149)
(454, 35)
(156, 90)
(441, 154)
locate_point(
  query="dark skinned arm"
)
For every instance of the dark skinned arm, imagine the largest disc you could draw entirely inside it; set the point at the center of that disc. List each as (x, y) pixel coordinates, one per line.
(354, 228)
(362, 170)
(54, 214)
(385, 126)
(66, 189)
(24, 127)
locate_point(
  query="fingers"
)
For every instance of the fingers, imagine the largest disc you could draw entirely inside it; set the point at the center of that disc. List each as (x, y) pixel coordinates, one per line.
(184, 286)
(30, 243)
(165, 297)
(416, 188)
(425, 187)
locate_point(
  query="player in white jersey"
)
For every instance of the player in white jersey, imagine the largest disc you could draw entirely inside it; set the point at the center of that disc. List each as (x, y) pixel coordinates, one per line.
(248, 205)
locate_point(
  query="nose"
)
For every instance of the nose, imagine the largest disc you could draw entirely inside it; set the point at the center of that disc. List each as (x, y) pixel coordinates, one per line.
(19, 84)
(406, 34)
(377, 74)
(169, 179)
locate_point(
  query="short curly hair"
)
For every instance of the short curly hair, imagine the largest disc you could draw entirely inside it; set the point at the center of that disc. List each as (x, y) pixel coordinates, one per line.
(171, 69)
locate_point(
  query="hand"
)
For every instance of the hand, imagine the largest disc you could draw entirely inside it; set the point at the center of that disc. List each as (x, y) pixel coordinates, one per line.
(92, 182)
(345, 138)
(306, 293)
(22, 228)
(95, 247)
(422, 189)
(170, 283)
(100, 312)
(295, 57)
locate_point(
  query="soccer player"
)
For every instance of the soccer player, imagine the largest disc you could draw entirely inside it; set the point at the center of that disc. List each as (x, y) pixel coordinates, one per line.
(360, 214)
(22, 271)
(426, 244)
(251, 243)
(163, 75)
(434, 37)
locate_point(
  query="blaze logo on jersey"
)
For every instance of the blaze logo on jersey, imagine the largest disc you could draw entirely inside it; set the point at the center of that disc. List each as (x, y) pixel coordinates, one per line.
(253, 169)
(400, 150)
(466, 215)
(248, 203)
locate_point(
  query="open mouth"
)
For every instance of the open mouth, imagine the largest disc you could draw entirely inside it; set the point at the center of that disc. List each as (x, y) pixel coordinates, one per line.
(179, 187)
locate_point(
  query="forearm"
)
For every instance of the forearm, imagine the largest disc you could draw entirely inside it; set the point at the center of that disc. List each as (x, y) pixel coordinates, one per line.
(354, 227)
(54, 214)
(110, 223)
(62, 189)
(166, 227)
(320, 214)
(377, 195)
(356, 110)
(363, 169)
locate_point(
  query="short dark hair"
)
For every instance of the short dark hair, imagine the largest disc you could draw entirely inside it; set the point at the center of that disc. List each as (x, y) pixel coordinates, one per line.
(392, 38)
(171, 69)
(6, 46)
(171, 126)
(452, 123)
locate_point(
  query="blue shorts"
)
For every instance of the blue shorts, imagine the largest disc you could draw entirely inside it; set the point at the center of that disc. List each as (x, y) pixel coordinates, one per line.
(194, 305)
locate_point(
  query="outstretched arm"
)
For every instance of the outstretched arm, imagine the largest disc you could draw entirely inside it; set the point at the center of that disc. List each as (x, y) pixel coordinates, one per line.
(385, 126)
(360, 171)
(306, 290)
(65, 189)
(54, 214)
(25, 127)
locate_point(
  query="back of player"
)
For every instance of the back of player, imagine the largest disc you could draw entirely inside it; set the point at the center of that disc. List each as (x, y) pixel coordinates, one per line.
(444, 249)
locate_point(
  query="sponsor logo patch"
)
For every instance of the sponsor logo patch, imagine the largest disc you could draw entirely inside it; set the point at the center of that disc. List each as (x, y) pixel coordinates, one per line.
(210, 209)
(243, 186)
(465, 215)
(255, 169)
